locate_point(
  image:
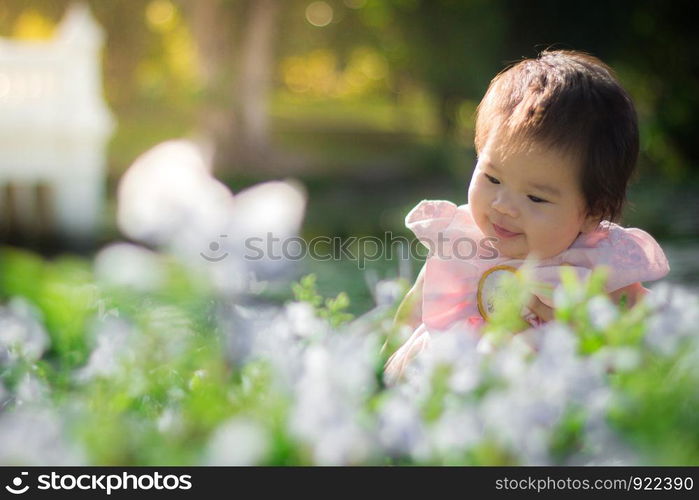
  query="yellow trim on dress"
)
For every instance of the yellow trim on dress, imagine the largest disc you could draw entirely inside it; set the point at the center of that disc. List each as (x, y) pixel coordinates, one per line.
(479, 295)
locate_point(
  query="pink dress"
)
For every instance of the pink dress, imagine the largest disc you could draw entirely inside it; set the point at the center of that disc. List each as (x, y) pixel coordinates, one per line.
(459, 255)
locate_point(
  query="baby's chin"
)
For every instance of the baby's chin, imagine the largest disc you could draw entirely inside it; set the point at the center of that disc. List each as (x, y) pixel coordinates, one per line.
(512, 248)
(506, 250)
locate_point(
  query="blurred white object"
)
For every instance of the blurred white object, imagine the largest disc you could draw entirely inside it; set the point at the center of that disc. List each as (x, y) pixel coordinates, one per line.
(54, 127)
(239, 441)
(169, 199)
(22, 335)
(123, 264)
(265, 224)
(168, 194)
(37, 435)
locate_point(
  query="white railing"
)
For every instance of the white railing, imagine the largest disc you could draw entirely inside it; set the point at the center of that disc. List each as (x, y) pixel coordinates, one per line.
(54, 128)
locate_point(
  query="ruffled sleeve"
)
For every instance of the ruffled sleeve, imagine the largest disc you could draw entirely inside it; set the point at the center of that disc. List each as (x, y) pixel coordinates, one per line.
(631, 255)
(445, 228)
(429, 218)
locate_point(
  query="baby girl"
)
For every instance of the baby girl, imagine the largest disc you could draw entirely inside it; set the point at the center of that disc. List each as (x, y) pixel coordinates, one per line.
(557, 141)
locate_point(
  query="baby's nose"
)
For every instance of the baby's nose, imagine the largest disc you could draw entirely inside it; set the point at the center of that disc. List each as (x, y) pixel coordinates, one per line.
(503, 204)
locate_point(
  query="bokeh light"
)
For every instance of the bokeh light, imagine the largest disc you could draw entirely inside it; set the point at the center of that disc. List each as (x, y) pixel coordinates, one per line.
(319, 14)
(318, 73)
(32, 25)
(160, 13)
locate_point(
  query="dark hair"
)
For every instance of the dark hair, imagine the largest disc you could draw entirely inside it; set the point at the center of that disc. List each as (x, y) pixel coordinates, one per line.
(573, 102)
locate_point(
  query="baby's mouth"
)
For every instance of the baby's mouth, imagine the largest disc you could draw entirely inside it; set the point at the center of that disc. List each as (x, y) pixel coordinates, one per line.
(504, 233)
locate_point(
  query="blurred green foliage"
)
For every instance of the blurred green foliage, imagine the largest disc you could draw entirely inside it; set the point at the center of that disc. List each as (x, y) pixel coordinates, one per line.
(160, 398)
(378, 53)
(332, 310)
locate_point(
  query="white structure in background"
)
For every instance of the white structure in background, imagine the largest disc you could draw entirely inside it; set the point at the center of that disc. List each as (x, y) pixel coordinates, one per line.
(54, 127)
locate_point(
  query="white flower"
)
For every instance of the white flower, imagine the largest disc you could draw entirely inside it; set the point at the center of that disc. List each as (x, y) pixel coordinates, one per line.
(564, 299)
(601, 311)
(170, 421)
(387, 292)
(674, 319)
(129, 265)
(21, 333)
(303, 321)
(36, 436)
(452, 346)
(31, 390)
(337, 376)
(400, 427)
(456, 431)
(238, 441)
(604, 448)
(618, 359)
(114, 348)
(346, 444)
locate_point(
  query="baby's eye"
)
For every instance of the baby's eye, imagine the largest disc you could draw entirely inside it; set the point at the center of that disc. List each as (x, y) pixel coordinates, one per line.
(536, 199)
(492, 179)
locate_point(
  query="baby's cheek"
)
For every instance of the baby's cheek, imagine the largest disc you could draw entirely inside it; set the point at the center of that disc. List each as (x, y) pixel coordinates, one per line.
(473, 187)
(475, 196)
(549, 228)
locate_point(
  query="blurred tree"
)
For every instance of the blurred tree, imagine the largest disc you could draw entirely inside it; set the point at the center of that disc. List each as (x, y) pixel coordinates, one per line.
(451, 47)
(454, 47)
(662, 50)
(128, 42)
(654, 46)
(235, 47)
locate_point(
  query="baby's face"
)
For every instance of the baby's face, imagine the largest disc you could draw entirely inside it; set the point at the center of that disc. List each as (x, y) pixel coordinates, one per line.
(530, 200)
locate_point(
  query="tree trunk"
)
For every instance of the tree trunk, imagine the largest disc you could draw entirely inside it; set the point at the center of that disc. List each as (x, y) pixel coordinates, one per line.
(213, 29)
(235, 67)
(255, 76)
